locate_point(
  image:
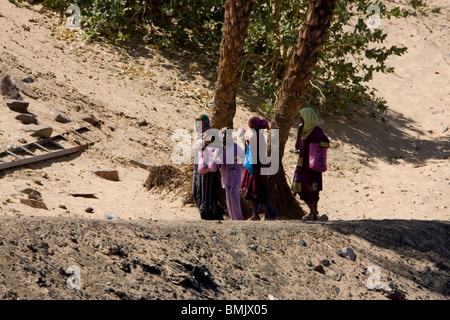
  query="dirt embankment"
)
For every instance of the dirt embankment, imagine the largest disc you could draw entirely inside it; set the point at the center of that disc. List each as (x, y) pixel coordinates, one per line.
(222, 260)
(385, 192)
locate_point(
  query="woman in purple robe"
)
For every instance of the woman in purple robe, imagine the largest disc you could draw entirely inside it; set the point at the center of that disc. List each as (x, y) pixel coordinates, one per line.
(308, 182)
(231, 175)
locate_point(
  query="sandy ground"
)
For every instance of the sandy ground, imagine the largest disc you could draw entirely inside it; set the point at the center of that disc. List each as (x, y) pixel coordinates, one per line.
(386, 192)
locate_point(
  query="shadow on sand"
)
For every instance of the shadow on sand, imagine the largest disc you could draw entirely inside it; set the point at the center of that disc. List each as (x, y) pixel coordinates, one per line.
(389, 137)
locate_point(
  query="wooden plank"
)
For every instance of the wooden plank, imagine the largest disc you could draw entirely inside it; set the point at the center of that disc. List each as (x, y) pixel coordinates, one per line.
(47, 156)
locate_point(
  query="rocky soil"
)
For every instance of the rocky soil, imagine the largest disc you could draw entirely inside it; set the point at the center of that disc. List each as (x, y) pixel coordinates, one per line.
(223, 260)
(83, 226)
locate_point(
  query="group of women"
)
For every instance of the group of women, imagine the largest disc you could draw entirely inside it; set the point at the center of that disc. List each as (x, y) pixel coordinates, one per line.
(247, 180)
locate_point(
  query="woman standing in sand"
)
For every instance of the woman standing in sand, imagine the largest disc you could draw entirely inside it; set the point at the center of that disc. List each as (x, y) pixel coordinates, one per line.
(205, 187)
(254, 186)
(308, 182)
(231, 175)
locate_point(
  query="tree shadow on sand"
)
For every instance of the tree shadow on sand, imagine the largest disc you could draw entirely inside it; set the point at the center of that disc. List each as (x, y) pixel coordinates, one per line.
(182, 60)
(390, 137)
(412, 240)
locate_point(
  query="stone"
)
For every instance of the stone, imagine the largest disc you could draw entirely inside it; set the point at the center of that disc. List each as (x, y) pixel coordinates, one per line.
(387, 287)
(143, 123)
(7, 88)
(89, 210)
(17, 105)
(24, 88)
(28, 190)
(38, 131)
(32, 193)
(336, 276)
(89, 118)
(61, 116)
(324, 260)
(28, 80)
(27, 118)
(445, 129)
(34, 203)
(216, 240)
(125, 266)
(142, 163)
(108, 174)
(316, 265)
(35, 195)
(165, 87)
(349, 253)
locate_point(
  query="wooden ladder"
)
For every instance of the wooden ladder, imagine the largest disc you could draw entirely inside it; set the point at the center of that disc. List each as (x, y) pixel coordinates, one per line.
(47, 148)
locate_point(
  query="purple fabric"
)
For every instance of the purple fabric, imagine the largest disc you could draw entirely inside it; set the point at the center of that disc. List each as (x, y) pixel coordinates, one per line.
(231, 181)
(306, 179)
(255, 187)
(265, 124)
(254, 123)
(233, 196)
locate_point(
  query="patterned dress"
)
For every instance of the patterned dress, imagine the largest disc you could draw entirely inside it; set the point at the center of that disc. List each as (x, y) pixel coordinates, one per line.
(255, 187)
(308, 182)
(205, 191)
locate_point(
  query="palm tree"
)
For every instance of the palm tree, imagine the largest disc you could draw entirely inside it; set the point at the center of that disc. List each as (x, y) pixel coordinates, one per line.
(291, 93)
(237, 17)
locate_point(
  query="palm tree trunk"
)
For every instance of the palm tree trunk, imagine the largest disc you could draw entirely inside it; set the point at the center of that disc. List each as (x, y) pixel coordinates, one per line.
(291, 94)
(237, 17)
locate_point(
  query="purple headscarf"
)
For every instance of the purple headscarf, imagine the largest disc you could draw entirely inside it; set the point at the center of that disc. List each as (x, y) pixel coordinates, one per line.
(254, 123)
(265, 124)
